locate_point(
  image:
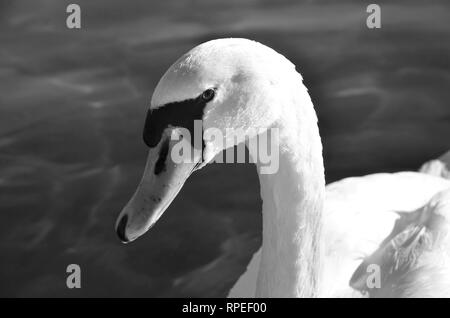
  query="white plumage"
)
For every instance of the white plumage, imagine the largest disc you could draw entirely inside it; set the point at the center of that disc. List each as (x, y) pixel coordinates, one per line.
(359, 214)
(313, 239)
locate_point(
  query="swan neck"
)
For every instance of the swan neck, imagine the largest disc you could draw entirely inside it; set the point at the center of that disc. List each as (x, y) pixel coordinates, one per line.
(292, 214)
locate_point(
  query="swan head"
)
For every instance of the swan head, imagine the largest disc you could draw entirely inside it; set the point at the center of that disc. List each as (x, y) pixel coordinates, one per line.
(224, 85)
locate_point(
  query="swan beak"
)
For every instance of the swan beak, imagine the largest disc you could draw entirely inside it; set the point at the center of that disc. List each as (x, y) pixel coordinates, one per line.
(160, 183)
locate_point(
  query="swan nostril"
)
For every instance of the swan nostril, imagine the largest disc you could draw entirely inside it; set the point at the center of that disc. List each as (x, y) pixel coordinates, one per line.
(160, 164)
(121, 229)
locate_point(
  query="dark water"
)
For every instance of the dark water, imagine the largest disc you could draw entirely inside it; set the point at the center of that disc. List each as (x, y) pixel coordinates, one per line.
(72, 106)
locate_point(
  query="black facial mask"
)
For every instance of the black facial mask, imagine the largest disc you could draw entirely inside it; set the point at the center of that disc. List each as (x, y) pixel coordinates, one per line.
(177, 114)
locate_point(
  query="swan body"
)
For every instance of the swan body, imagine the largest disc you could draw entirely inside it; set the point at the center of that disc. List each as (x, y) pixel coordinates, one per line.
(415, 258)
(315, 239)
(359, 214)
(439, 167)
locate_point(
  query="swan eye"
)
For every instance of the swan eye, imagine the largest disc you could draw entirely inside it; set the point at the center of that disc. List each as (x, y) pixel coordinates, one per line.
(208, 94)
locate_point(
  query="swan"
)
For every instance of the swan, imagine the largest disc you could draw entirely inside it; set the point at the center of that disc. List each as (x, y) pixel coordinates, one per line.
(316, 239)
(439, 167)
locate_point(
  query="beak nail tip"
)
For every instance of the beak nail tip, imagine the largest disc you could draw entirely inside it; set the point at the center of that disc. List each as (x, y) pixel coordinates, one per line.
(121, 227)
